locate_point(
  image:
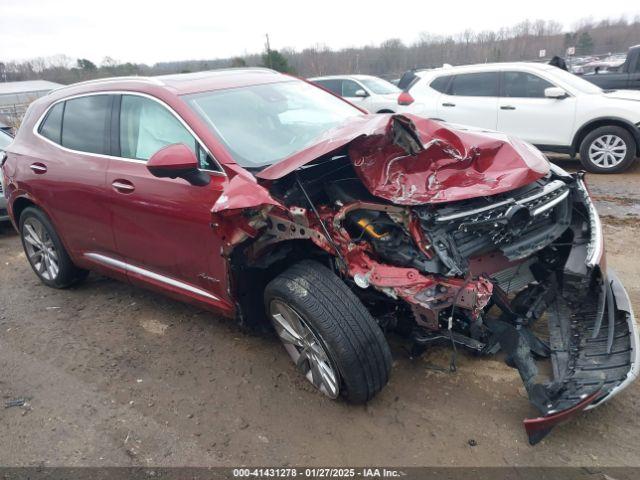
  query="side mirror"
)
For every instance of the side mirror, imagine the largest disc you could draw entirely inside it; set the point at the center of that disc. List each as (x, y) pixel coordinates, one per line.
(175, 161)
(360, 93)
(555, 92)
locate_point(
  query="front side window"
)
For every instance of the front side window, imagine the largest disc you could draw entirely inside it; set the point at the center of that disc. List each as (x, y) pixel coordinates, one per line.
(349, 88)
(263, 124)
(147, 126)
(483, 84)
(51, 127)
(85, 124)
(523, 85)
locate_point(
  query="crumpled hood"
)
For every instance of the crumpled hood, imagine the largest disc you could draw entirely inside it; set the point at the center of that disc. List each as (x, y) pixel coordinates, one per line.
(409, 160)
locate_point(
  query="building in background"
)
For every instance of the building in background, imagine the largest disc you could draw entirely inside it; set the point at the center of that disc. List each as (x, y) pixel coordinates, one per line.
(15, 97)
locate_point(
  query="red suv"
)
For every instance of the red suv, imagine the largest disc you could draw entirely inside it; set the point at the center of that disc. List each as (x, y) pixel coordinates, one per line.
(261, 196)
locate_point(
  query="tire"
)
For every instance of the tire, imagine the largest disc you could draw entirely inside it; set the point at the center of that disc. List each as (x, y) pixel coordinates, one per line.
(341, 328)
(608, 149)
(36, 233)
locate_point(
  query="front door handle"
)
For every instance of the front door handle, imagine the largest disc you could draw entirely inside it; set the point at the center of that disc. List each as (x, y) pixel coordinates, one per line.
(507, 107)
(123, 186)
(447, 104)
(38, 168)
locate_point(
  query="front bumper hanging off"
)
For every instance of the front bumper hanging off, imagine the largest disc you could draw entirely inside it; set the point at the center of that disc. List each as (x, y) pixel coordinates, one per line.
(593, 362)
(594, 343)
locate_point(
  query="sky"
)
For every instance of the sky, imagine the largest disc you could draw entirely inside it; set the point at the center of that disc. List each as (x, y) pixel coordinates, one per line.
(145, 31)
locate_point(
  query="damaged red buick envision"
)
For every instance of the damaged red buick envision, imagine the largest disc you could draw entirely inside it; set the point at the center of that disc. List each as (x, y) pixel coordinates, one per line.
(261, 196)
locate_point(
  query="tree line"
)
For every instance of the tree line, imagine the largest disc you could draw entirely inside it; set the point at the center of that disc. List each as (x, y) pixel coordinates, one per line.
(389, 59)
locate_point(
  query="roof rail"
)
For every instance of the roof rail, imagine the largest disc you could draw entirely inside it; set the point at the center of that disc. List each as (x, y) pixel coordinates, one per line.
(94, 81)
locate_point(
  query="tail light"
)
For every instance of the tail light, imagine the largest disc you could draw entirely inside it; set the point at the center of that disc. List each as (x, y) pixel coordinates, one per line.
(405, 99)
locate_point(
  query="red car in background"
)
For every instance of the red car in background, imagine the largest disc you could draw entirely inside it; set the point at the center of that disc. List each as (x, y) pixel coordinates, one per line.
(262, 197)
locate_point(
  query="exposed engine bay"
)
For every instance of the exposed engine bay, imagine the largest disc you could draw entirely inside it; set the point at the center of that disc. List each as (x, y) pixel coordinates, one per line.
(450, 241)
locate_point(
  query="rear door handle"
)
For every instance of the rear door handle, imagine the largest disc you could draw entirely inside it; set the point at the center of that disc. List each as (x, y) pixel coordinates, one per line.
(447, 104)
(507, 107)
(38, 168)
(123, 186)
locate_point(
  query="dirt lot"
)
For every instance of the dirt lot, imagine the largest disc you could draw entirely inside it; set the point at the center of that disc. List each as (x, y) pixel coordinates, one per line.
(116, 375)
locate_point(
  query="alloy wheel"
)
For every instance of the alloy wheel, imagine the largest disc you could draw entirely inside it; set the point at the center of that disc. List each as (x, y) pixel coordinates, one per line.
(607, 151)
(304, 348)
(40, 249)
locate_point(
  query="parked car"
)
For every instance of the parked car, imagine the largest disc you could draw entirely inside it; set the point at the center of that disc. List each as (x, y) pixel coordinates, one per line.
(549, 107)
(262, 197)
(373, 94)
(5, 140)
(615, 75)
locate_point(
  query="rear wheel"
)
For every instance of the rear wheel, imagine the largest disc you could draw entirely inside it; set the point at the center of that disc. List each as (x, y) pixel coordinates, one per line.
(45, 252)
(609, 149)
(328, 333)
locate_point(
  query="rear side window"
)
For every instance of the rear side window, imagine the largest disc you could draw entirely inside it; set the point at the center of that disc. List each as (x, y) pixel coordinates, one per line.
(440, 84)
(51, 127)
(85, 124)
(483, 84)
(523, 85)
(146, 126)
(334, 86)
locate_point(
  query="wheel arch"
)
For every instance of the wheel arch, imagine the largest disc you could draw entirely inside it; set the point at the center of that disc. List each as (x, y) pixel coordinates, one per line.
(249, 278)
(23, 201)
(18, 206)
(605, 122)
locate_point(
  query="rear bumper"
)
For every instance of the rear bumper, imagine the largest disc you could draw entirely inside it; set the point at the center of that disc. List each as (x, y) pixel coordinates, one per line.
(598, 361)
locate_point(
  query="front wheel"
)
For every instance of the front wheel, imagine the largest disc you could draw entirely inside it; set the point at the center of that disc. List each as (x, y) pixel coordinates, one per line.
(608, 149)
(328, 333)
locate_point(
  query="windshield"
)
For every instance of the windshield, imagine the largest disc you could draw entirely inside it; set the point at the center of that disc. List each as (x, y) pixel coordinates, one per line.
(379, 86)
(576, 82)
(263, 124)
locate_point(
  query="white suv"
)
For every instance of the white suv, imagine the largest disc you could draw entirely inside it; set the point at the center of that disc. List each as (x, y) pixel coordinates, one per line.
(373, 94)
(542, 104)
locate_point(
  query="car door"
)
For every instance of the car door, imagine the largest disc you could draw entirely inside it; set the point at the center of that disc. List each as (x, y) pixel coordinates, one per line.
(524, 111)
(162, 226)
(67, 172)
(471, 99)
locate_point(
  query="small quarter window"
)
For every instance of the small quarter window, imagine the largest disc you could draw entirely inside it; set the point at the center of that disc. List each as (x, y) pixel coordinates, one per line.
(51, 127)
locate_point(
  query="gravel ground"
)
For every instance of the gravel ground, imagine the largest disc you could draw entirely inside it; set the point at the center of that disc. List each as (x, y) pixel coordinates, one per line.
(118, 376)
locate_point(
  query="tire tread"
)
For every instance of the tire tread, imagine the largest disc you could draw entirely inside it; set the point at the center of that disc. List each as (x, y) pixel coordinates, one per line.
(345, 325)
